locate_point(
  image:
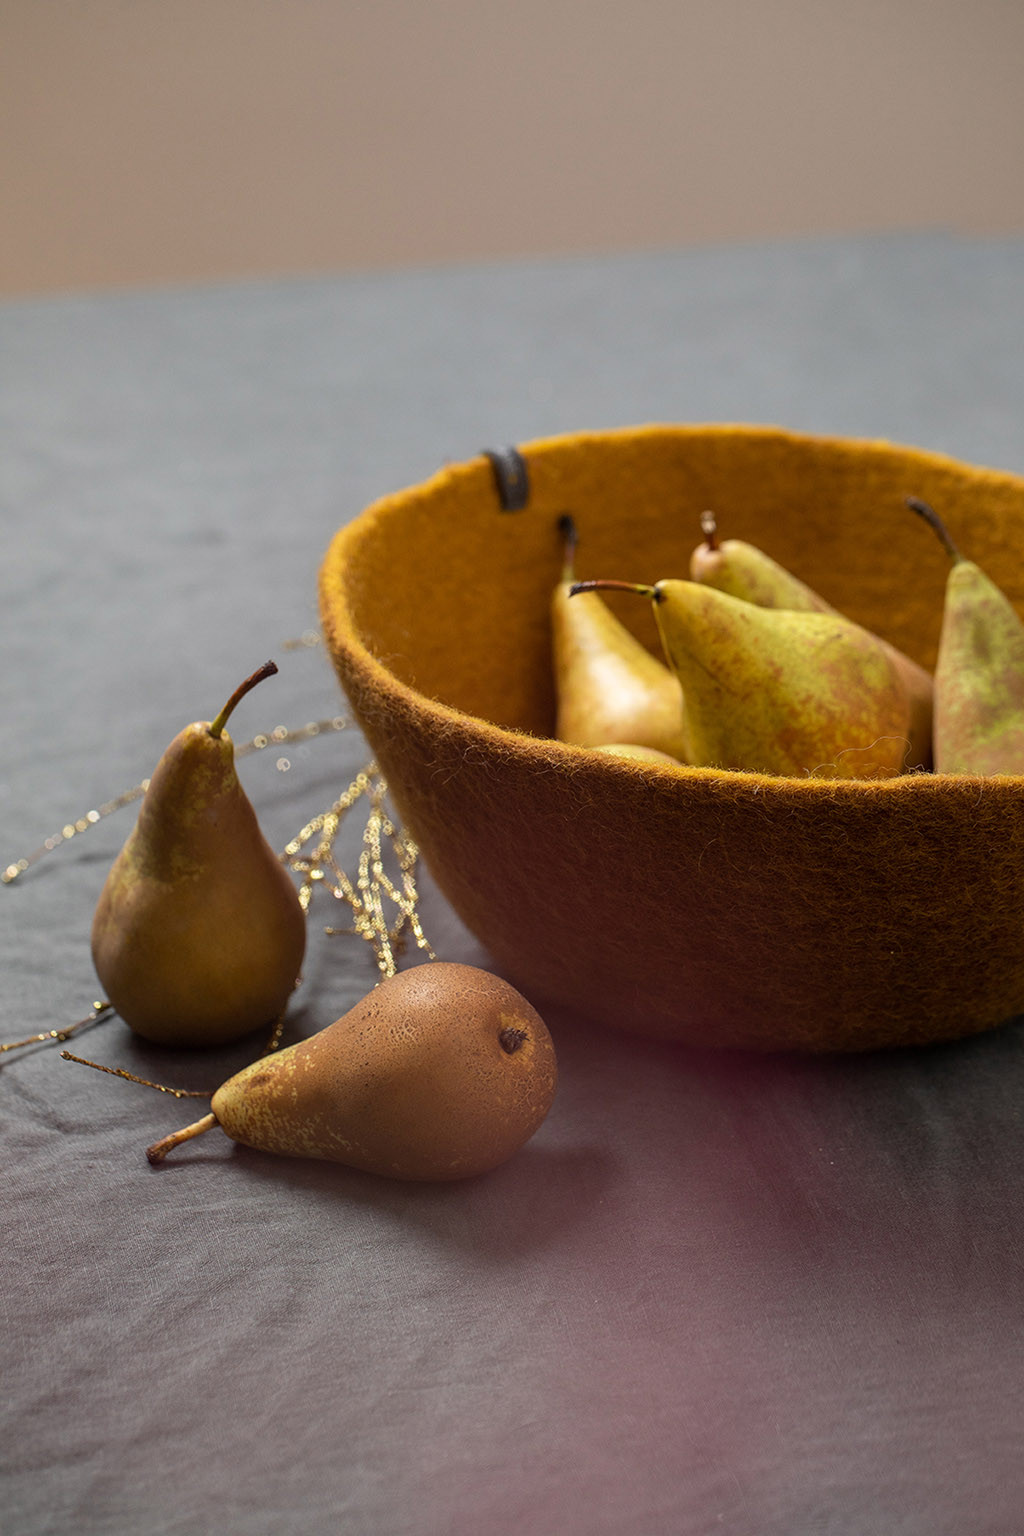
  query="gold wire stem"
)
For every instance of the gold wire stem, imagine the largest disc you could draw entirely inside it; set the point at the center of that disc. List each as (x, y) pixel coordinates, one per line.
(175, 1093)
(275, 1034)
(98, 1011)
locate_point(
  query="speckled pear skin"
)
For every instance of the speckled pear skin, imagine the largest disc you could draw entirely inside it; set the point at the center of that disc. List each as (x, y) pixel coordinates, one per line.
(979, 678)
(441, 1072)
(778, 691)
(198, 936)
(742, 570)
(710, 907)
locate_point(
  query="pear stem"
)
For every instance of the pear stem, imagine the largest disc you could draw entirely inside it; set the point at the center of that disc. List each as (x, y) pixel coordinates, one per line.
(98, 1010)
(570, 543)
(936, 524)
(130, 1077)
(608, 585)
(709, 528)
(159, 1150)
(267, 670)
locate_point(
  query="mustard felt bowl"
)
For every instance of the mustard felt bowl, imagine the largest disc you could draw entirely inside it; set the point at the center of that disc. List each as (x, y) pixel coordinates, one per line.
(711, 907)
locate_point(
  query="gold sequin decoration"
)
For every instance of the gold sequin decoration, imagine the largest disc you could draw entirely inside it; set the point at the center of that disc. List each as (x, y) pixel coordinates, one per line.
(373, 891)
(99, 1011)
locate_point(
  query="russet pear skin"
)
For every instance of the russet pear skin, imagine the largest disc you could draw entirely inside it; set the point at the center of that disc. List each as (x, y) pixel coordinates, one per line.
(746, 571)
(609, 688)
(442, 1072)
(782, 692)
(198, 936)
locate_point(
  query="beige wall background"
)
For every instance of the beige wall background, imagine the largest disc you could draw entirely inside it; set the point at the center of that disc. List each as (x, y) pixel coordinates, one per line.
(155, 141)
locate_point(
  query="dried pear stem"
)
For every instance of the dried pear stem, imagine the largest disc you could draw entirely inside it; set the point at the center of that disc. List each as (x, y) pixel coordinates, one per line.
(267, 670)
(570, 542)
(159, 1150)
(709, 528)
(640, 588)
(936, 524)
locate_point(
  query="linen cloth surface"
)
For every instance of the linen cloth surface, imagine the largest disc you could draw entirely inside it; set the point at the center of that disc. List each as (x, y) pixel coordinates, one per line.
(778, 1295)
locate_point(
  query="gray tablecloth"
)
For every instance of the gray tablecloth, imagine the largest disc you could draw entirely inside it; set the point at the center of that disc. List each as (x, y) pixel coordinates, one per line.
(766, 1296)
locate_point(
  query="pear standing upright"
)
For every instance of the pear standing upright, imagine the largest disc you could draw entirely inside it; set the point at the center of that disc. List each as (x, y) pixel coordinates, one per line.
(979, 670)
(609, 688)
(744, 570)
(198, 935)
(770, 690)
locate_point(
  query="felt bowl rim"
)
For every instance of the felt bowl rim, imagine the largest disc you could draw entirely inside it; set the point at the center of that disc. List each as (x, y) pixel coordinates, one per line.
(341, 634)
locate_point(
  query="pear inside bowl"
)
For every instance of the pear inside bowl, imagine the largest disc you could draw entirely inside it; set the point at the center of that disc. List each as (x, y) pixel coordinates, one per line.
(707, 906)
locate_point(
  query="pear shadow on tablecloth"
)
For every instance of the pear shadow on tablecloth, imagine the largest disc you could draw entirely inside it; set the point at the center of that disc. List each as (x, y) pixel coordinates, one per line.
(531, 1202)
(897, 1159)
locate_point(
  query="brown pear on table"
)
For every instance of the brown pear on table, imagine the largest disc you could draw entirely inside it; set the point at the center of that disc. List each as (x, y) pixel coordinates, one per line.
(609, 688)
(979, 670)
(441, 1072)
(772, 690)
(198, 935)
(744, 570)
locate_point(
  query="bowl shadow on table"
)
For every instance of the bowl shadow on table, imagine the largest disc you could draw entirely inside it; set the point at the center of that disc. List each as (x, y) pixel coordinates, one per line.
(900, 1163)
(909, 1158)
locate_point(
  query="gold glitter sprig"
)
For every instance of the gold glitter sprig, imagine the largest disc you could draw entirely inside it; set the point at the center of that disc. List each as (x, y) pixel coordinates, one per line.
(373, 885)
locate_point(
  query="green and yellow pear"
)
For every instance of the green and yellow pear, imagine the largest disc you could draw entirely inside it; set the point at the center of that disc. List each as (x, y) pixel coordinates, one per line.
(636, 753)
(608, 687)
(441, 1072)
(744, 570)
(771, 690)
(979, 670)
(198, 935)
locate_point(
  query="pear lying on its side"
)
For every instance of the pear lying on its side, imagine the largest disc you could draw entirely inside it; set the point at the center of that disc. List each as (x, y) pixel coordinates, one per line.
(198, 934)
(441, 1072)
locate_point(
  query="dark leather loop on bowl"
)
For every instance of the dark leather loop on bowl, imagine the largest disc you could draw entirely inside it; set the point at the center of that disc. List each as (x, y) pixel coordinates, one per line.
(511, 477)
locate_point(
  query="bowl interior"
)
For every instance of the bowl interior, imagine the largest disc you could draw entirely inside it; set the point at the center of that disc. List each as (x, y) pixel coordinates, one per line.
(451, 594)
